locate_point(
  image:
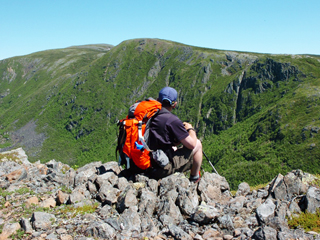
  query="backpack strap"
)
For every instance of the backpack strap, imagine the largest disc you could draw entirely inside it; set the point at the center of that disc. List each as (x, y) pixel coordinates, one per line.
(141, 138)
(146, 133)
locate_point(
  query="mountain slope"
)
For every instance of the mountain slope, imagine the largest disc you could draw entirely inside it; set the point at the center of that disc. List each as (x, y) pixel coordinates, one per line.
(257, 114)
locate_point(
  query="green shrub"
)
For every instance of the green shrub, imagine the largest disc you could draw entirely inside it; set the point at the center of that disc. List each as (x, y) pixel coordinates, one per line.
(20, 234)
(307, 221)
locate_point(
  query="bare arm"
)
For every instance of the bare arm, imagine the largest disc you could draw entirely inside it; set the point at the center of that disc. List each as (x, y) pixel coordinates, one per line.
(190, 141)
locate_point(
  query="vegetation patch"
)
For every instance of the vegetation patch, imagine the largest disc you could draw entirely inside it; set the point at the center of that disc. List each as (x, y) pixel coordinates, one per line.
(13, 156)
(66, 189)
(316, 181)
(69, 211)
(307, 221)
(4, 193)
(20, 234)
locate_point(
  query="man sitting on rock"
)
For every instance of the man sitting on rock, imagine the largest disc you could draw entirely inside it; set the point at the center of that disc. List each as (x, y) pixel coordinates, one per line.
(177, 139)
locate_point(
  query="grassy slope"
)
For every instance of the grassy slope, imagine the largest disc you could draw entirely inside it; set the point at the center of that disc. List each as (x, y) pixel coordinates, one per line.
(77, 95)
(284, 130)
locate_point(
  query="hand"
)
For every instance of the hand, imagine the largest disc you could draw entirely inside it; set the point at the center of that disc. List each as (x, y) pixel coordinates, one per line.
(187, 125)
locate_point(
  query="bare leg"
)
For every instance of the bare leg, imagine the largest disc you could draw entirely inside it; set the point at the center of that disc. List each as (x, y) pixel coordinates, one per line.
(197, 159)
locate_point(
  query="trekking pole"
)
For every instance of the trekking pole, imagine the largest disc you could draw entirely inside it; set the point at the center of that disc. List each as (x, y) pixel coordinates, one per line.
(210, 163)
(214, 170)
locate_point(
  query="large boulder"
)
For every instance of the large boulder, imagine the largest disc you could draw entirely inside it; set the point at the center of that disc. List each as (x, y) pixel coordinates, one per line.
(205, 214)
(266, 211)
(42, 221)
(313, 199)
(100, 230)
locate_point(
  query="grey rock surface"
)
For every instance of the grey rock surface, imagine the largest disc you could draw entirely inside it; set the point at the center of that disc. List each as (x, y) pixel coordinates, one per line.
(96, 201)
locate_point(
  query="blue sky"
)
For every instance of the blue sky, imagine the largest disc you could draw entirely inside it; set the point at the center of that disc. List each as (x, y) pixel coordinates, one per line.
(264, 26)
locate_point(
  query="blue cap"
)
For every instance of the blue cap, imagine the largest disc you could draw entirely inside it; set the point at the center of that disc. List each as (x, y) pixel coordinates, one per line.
(168, 93)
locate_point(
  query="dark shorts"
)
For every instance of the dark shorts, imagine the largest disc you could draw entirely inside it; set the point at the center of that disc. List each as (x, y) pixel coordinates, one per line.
(180, 161)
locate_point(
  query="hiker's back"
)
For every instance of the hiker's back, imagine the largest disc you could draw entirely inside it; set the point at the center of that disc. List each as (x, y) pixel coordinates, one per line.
(163, 130)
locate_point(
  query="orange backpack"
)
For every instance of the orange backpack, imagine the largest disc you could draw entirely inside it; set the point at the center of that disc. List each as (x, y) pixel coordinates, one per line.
(132, 146)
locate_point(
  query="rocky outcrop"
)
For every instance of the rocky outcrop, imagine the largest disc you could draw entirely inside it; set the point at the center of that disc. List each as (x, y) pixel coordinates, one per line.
(260, 77)
(101, 201)
(263, 75)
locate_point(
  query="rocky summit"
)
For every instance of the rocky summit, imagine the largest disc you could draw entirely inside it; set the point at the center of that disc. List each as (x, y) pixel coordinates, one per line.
(99, 201)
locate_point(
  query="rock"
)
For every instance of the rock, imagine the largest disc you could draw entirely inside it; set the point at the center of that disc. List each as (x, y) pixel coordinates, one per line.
(53, 164)
(62, 197)
(17, 175)
(70, 177)
(294, 207)
(107, 177)
(92, 188)
(148, 225)
(205, 214)
(285, 235)
(78, 194)
(61, 231)
(178, 233)
(166, 220)
(286, 187)
(266, 211)
(100, 230)
(225, 222)
(313, 199)
(262, 193)
(83, 173)
(254, 203)
(83, 203)
(42, 221)
(7, 167)
(172, 194)
(280, 190)
(26, 225)
(236, 203)
(148, 202)
(211, 194)
(187, 200)
(51, 236)
(107, 194)
(239, 222)
(243, 189)
(172, 182)
(151, 184)
(108, 212)
(38, 169)
(18, 156)
(127, 199)
(14, 187)
(33, 200)
(247, 232)
(293, 185)
(265, 233)
(56, 178)
(167, 207)
(109, 167)
(281, 210)
(48, 203)
(211, 234)
(214, 180)
(227, 237)
(9, 229)
(129, 220)
(122, 183)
